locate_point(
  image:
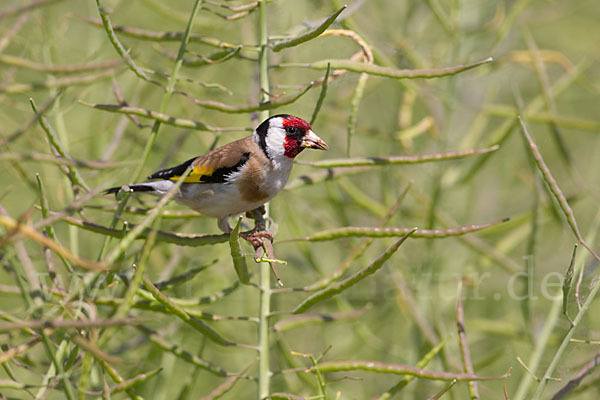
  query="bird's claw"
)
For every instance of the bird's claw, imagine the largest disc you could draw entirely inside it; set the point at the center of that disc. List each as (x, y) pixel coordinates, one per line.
(256, 237)
(260, 232)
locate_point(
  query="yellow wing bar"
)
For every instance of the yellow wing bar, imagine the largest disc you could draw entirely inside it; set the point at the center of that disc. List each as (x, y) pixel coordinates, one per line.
(195, 175)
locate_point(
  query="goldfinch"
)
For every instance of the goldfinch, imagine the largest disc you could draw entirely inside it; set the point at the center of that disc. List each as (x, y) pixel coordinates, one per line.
(239, 176)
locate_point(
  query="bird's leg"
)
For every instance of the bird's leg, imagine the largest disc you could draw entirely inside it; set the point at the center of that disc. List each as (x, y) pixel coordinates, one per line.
(223, 224)
(258, 216)
(256, 235)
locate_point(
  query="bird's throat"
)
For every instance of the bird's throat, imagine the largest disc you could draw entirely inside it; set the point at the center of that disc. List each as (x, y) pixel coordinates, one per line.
(291, 147)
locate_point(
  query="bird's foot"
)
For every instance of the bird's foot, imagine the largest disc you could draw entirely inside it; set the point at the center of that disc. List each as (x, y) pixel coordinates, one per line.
(256, 237)
(260, 232)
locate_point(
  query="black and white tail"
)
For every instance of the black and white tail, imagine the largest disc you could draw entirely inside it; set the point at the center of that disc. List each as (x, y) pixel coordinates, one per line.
(158, 188)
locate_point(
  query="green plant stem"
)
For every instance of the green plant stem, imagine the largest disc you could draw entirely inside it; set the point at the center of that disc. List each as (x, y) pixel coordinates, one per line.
(394, 160)
(57, 69)
(118, 379)
(396, 369)
(408, 378)
(359, 231)
(339, 286)
(58, 146)
(567, 339)
(378, 70)
(167, 237)
(129, 383)
(540, 345)
(552, 318)
(312, 34)
(239, 261)
(264, 373)
(117, 45)
(57, 361)
(158, 117)
(554, 188)
(140, 269)
(354, 104)
(154, 36)
(45, 213)
(321, 95)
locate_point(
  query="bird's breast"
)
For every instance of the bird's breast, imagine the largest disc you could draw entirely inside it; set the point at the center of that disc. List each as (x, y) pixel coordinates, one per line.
(263, 182)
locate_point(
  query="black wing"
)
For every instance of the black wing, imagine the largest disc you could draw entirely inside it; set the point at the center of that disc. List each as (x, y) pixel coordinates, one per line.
(200, 173)
(174, 172)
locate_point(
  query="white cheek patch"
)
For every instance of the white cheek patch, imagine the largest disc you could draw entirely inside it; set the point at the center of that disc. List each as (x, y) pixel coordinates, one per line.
(276, 122)
(275, 140)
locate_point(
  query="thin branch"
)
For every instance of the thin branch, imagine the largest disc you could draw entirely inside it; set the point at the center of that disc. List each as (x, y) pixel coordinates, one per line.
(160, 117)
(462, 341)
(154, 36)
(387, 72)
(58, 69)
(576, 380)
(117, 44)
(393, 160)
(555, 189)
(311, 34)
(340, 286)
(396, 369)
(15, 226)
(65, 323)
(355, 231)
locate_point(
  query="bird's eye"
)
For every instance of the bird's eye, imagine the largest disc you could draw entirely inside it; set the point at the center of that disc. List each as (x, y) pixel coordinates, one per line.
(290, 130)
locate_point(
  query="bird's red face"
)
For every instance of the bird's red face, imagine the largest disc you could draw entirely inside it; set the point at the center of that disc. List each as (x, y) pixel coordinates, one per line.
(299, 136)
(284, 136)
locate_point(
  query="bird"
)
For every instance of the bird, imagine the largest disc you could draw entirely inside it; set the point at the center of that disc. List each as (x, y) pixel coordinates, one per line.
(239, 176)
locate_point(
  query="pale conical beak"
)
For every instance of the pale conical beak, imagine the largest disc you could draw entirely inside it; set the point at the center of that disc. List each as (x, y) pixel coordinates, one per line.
(312, 141)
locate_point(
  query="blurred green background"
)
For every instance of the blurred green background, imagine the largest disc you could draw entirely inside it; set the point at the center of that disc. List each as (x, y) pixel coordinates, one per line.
(545, 63)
